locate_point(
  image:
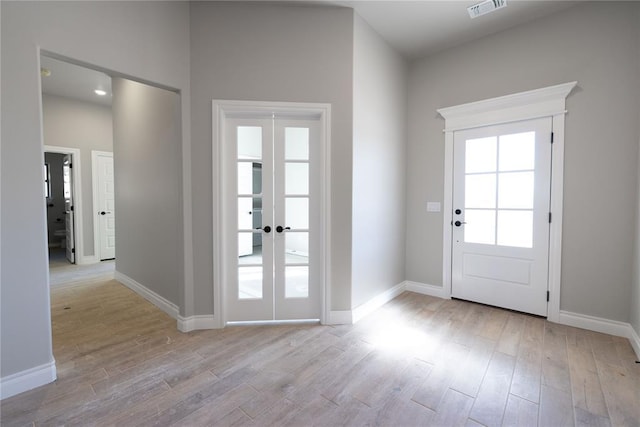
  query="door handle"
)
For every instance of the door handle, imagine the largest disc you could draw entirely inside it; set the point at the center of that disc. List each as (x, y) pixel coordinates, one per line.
(458, 223)
(104, 213)
(266, 229)
(280, 228)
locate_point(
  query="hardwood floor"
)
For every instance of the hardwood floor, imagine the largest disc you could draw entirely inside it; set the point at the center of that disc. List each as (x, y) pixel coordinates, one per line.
(417, 361)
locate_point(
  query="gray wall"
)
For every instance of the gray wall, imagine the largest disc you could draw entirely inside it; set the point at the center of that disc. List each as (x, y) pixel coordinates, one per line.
(379, 145)
(271, 53)
(595, 44)
(148, 176)
(142, 39)
(55, 213)
(82, 125)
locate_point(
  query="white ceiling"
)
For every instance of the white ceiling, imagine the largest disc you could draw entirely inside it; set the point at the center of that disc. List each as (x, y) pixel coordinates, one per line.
(73, 81)
(420, 28)
(416, 29)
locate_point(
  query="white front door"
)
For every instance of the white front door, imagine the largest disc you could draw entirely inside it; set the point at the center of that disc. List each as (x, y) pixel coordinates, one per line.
(69, 217)
(271, 236)
(106, 210)
(501, 194)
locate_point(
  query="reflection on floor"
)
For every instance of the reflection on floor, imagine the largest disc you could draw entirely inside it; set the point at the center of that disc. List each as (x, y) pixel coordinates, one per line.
(62, 272)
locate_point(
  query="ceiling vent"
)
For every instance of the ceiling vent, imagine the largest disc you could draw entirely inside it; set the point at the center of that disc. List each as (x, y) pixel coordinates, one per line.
(485, 7)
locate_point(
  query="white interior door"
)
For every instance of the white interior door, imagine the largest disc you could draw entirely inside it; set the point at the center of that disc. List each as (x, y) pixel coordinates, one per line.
(501, 195)
(106, 209)
(69, 218)
(272, 187)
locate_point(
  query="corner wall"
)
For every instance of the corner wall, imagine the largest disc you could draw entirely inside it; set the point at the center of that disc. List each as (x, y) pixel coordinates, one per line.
(601, 142)
(379, 149)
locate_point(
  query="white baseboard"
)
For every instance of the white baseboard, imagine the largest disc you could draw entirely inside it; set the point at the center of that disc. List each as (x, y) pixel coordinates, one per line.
(376, 302)
(28, 379)
(605, 326)
(162, 303)
(340, 317)
(425, 289)
(192, 323)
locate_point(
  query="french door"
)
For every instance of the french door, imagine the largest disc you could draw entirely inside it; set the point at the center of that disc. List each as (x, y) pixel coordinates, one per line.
(271, 219)
(501, 196)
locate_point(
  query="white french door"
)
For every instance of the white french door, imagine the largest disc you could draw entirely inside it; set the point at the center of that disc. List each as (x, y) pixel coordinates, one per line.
(501, 196)
(69, 217)
(271, 222)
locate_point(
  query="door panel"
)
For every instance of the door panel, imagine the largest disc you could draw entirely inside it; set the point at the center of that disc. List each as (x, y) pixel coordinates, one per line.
(69, 217)
(106, 206)
(500, 219)
(275, 186)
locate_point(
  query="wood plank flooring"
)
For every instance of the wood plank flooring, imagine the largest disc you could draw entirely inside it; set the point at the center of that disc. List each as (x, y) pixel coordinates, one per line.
(417, 361)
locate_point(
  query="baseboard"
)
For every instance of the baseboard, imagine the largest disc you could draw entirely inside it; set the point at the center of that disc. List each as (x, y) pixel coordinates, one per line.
(162, 303)
(425, 289)
(340, 317)
(634, 339)
(26, 380)
(192, 323)
(376, 302)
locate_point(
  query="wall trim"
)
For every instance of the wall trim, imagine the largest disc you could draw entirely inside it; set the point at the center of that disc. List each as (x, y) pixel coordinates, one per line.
(376, 302)
(159, 301)
(196, 322)
(605, 326)
(28, 379)
(426, 289)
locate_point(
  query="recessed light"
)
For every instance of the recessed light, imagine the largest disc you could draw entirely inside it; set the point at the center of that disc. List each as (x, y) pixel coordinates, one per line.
(100, 92)
(484, 7)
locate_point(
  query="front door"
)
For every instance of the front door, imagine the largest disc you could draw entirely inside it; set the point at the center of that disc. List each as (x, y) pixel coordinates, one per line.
(272, 269)
(501, 195)
(69, 217)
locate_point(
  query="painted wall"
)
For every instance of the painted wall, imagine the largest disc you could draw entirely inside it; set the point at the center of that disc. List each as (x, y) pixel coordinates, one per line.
(379, 145)
(271, 53)
(55, 203)
(635, 289)
(143, 39)
(148, 177)
(601, 141)
(82, 125)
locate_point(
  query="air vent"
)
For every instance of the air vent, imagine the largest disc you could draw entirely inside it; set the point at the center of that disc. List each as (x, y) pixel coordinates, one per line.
(485, 7)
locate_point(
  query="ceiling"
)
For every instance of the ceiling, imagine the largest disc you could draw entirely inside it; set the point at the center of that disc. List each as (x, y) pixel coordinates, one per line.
(420, 28)
(416, 29)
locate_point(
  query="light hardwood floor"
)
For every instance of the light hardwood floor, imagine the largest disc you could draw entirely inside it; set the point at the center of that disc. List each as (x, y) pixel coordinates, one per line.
(417, 361)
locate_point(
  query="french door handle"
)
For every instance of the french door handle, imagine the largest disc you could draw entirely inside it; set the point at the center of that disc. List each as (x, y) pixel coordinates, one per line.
(266, 229)
(104, 213)
(280, 228)
(459, 223)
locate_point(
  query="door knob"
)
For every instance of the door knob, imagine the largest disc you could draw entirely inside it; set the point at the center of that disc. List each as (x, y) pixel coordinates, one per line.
(458, 223)
(266, 229)
(280, 228)
(458, 211)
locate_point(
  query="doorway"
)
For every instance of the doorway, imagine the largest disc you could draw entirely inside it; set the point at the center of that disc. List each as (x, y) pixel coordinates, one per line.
(272, 214)
(501, 196)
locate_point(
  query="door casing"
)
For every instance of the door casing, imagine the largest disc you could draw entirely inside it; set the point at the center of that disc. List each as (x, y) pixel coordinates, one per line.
(544, 102)
(225, 108)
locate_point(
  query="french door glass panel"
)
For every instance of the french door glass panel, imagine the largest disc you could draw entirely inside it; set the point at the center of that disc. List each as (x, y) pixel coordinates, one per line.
(275, 193)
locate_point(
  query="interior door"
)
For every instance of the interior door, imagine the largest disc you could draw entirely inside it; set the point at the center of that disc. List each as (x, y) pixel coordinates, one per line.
(501, 196)
(106, 206)
(272, 192)
(69, 220)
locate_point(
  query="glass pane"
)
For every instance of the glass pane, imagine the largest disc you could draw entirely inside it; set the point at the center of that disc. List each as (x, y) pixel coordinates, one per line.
(480, 191)
(515, 190)
(250, 282)
(296, 143)
(257, 178)
(245, 213)
(245, 178)
(249, 248)
(296, 248)
(480, 226)
(480, 155)
(297, 178)
(249, 142)
(297, 212)
(296, 282)
(515, 228)
(517, 151)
